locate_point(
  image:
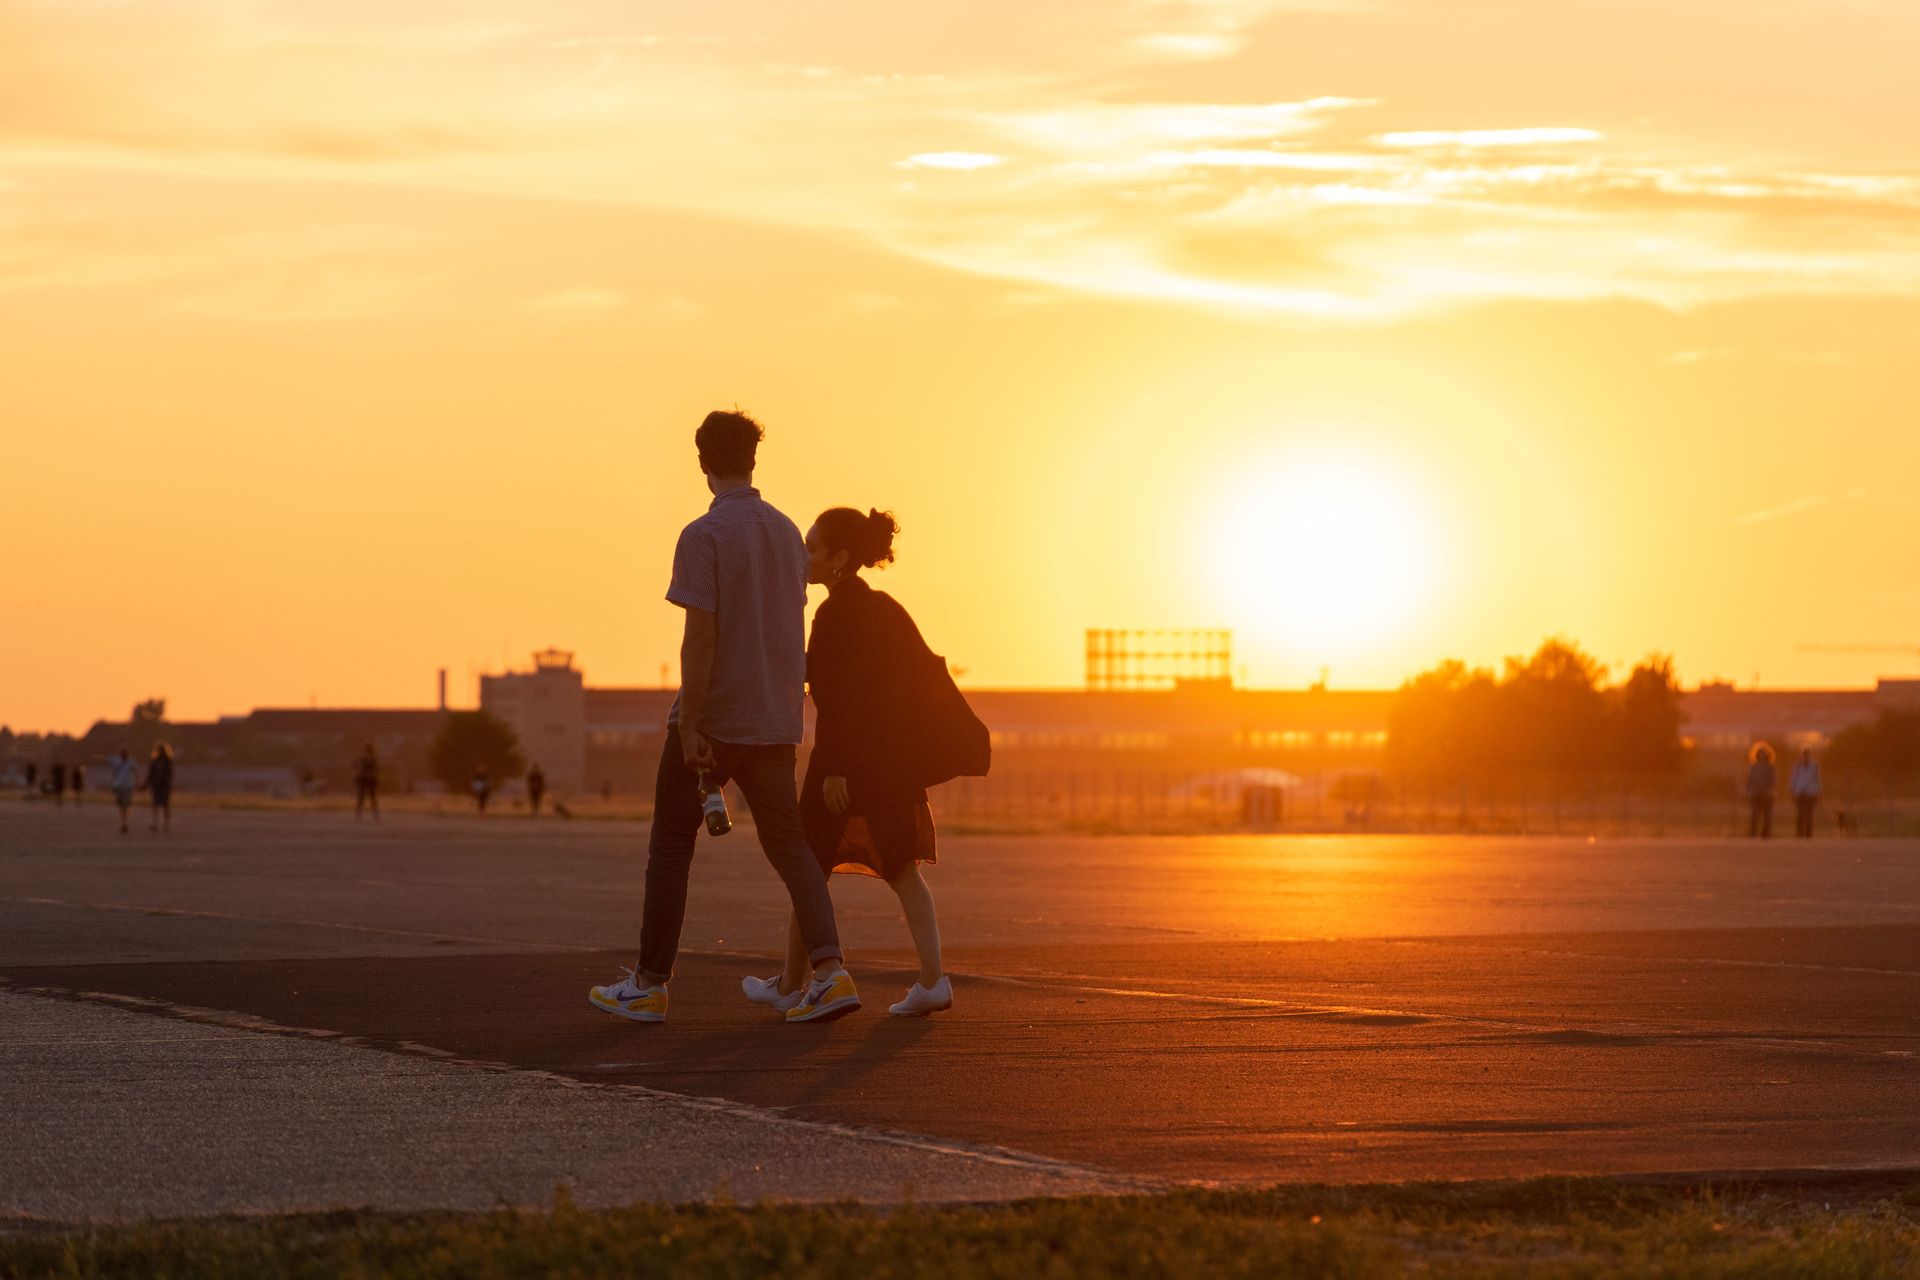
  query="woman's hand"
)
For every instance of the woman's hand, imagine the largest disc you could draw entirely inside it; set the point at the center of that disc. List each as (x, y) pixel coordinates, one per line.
(834, 791)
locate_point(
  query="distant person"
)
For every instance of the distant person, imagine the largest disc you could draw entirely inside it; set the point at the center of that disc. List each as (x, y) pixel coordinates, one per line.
(366, 783)
(159, 785)
(125, 778)
(78, 783)
(1760, 782)
(888, 723)
(33, 774)
(536, 787)
(57, 783)
(1805, 786)
(481, 785)
(740, 573)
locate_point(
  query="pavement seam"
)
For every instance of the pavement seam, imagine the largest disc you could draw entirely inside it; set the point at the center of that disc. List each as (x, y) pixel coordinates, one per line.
(1474, 944)
(1665, 1032)
(1004, 1157)
(305, 924)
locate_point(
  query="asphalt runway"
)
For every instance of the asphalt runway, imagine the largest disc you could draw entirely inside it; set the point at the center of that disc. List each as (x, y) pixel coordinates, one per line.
(1238, 1010)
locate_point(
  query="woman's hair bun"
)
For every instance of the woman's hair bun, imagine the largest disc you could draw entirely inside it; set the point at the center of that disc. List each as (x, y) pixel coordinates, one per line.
(881, 529)
(867, 539)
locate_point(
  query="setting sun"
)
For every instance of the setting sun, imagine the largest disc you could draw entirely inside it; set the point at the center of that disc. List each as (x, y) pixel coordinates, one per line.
(1321, 550)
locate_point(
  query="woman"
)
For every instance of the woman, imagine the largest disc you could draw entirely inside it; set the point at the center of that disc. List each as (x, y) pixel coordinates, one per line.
(1760, 782)
(160, 783)
(880, 731)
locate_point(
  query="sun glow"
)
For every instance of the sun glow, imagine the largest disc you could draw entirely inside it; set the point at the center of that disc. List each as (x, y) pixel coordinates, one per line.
(1317, 554)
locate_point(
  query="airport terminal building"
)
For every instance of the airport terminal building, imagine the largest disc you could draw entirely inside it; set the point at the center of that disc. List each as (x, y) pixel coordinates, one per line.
(606, 740)
(609, 739)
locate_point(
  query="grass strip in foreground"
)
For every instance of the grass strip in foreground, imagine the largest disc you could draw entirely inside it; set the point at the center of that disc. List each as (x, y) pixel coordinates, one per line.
(1588, 1228)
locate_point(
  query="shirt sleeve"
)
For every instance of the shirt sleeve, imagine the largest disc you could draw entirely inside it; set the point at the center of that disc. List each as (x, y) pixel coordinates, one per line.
(696, 572)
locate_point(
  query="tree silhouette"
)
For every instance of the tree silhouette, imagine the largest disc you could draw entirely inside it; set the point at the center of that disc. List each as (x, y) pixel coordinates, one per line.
(1886, 747)
(1548, 713)
(1646, 719)
(1556, 716)
(150, 711)
(470, 738)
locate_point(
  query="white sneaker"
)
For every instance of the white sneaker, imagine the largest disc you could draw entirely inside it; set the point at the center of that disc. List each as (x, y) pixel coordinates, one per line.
(767, 991)
(631, 999)
(922, 1001)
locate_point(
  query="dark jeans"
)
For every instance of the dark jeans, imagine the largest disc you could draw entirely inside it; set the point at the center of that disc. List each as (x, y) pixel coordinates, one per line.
(765, 777)
(1803, 814)
(1760, 823)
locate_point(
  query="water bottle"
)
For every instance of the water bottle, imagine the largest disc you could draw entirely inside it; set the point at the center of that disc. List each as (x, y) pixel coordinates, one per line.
(713, 805)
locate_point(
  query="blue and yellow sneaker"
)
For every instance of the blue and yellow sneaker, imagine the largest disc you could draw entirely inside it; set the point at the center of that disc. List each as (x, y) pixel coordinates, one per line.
(627, 998)
(826, 999)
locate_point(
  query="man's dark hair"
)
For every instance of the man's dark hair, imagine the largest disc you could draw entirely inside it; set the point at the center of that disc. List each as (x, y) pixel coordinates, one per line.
(728, 440)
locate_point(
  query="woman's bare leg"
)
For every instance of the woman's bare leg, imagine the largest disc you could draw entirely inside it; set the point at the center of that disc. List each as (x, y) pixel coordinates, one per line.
(916, 901)
(799, 968)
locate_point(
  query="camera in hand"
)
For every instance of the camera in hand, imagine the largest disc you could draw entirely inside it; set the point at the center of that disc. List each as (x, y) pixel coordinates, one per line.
(713, 806)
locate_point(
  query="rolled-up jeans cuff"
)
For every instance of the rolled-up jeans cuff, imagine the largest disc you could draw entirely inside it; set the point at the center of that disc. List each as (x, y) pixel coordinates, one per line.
(820, 955)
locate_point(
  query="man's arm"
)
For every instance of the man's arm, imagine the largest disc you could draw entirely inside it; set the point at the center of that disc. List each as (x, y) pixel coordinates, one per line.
(696, 669)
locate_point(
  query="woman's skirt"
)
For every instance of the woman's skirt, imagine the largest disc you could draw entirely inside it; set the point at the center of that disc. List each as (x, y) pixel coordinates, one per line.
(881, 839)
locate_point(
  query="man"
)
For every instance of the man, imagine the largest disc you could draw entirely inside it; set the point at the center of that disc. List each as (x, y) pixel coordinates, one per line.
(126, 777)
(1805, 785)
(536, 787)
(740, 573)
(366, 783)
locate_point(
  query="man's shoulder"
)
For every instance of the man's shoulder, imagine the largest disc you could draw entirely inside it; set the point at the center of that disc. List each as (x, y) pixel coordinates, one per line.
(775, 516)
(695, 533)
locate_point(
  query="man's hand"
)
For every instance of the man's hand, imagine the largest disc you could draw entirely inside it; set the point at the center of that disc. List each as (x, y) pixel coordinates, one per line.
(694, 749)
(834, 791)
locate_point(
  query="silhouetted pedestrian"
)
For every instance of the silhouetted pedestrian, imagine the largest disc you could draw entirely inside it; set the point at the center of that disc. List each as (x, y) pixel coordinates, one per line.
(1805, 786)
(366, 783)
(481, 786)
(33, 774)
(126, 777)
(888, 724)
(740, 574)
(536, 787)
(78, 782)
(1760, 781)
(57, 783)
(159, 785)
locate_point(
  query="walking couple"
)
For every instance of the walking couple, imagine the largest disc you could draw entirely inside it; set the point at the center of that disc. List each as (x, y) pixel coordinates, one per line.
(889, 724)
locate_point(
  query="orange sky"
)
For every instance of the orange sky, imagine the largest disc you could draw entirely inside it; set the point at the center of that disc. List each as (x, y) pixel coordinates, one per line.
(343, 341)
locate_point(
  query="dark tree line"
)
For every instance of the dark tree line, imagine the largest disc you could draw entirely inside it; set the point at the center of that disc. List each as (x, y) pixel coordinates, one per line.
(1886, 748)
(470, 738)
(1552, 712)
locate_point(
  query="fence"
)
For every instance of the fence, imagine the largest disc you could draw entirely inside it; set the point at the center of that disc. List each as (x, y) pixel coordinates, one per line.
(1599, 804)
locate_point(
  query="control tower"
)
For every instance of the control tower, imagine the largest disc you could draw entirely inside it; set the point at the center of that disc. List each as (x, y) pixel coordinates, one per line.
(547, 709)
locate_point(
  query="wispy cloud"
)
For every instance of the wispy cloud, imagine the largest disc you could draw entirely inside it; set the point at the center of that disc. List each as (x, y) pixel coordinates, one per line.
(1077, 166)
(1799, 506)
(1206, 29)
(1082, 129)
(962, 160)
(1488, 137)
(1191, 44)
